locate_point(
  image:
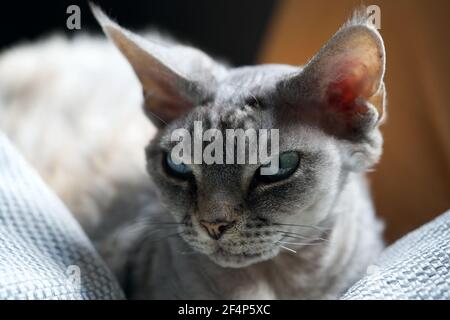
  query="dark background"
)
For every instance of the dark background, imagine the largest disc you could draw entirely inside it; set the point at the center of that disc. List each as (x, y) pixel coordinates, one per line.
(231, 29)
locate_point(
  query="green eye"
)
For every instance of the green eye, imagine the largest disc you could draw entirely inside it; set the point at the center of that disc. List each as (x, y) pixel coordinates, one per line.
(181, 171)
(288, 163)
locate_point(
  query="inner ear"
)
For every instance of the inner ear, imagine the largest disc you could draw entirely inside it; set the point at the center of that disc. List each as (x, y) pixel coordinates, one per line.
(352, 78)
(344, 82)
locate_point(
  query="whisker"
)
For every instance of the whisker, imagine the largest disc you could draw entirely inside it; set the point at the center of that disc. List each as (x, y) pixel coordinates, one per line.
(300, 236)
(188, 252)
(288, 249)
(163, 223)
(302, 226)
(149, 220)
(130, 229)
(139, 228)
(301, 243)
(160, 227)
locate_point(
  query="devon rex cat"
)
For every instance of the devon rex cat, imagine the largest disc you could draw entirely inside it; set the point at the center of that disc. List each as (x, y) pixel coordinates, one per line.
(308, 231)
(207, 231)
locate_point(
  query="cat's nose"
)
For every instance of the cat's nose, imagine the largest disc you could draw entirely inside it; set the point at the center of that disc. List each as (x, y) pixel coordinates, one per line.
(217, 228)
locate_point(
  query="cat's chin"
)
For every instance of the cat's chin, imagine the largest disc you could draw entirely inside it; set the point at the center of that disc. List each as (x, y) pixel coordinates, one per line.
(229, 260)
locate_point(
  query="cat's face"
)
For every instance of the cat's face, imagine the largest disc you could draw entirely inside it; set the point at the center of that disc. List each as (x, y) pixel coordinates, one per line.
(256, 208)
(327, 116)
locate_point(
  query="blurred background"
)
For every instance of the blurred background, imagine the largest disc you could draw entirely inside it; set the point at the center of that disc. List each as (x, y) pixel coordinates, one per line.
(411, 185)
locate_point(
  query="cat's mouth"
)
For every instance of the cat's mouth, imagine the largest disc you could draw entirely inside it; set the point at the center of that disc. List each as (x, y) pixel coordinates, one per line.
(224, 253)
(228, 254)
(226, 258)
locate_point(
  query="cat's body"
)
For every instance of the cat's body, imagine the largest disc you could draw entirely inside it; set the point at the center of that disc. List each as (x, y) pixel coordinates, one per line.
(100, 172)
(72, 107)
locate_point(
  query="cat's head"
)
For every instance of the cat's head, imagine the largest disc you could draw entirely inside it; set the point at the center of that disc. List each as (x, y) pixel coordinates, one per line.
(327, 114)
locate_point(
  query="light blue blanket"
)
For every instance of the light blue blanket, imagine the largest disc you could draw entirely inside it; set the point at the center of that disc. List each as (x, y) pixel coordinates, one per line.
(44, 254)
(415, 267)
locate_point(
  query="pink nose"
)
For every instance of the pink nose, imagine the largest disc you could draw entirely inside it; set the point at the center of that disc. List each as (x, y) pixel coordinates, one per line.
(217, 228)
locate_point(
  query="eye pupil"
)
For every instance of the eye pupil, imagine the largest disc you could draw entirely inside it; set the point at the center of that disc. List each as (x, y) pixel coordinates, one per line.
(288, 160)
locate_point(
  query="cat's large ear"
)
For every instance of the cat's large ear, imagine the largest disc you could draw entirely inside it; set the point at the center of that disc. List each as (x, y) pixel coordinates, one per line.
(342, 86)
(174, 78)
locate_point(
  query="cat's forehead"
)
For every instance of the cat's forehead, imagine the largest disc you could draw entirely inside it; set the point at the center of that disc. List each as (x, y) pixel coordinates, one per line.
(229, 108)
(222, 116)
(240, 83)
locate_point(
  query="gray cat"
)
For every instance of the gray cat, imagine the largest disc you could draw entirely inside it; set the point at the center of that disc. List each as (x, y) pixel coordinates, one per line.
(225, 231)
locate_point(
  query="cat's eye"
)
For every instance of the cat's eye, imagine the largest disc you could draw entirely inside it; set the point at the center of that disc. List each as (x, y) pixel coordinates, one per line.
(181, 171)
(253, 102)
(288, 163)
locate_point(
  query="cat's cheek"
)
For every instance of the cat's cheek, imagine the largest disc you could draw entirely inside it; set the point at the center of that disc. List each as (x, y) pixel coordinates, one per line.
(176, 199)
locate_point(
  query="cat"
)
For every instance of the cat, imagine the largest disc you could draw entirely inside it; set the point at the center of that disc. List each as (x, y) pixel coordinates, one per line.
(220, 231)
(228, 224)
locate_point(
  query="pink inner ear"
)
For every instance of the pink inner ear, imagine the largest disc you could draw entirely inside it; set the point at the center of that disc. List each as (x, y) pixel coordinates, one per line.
(352, 82)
